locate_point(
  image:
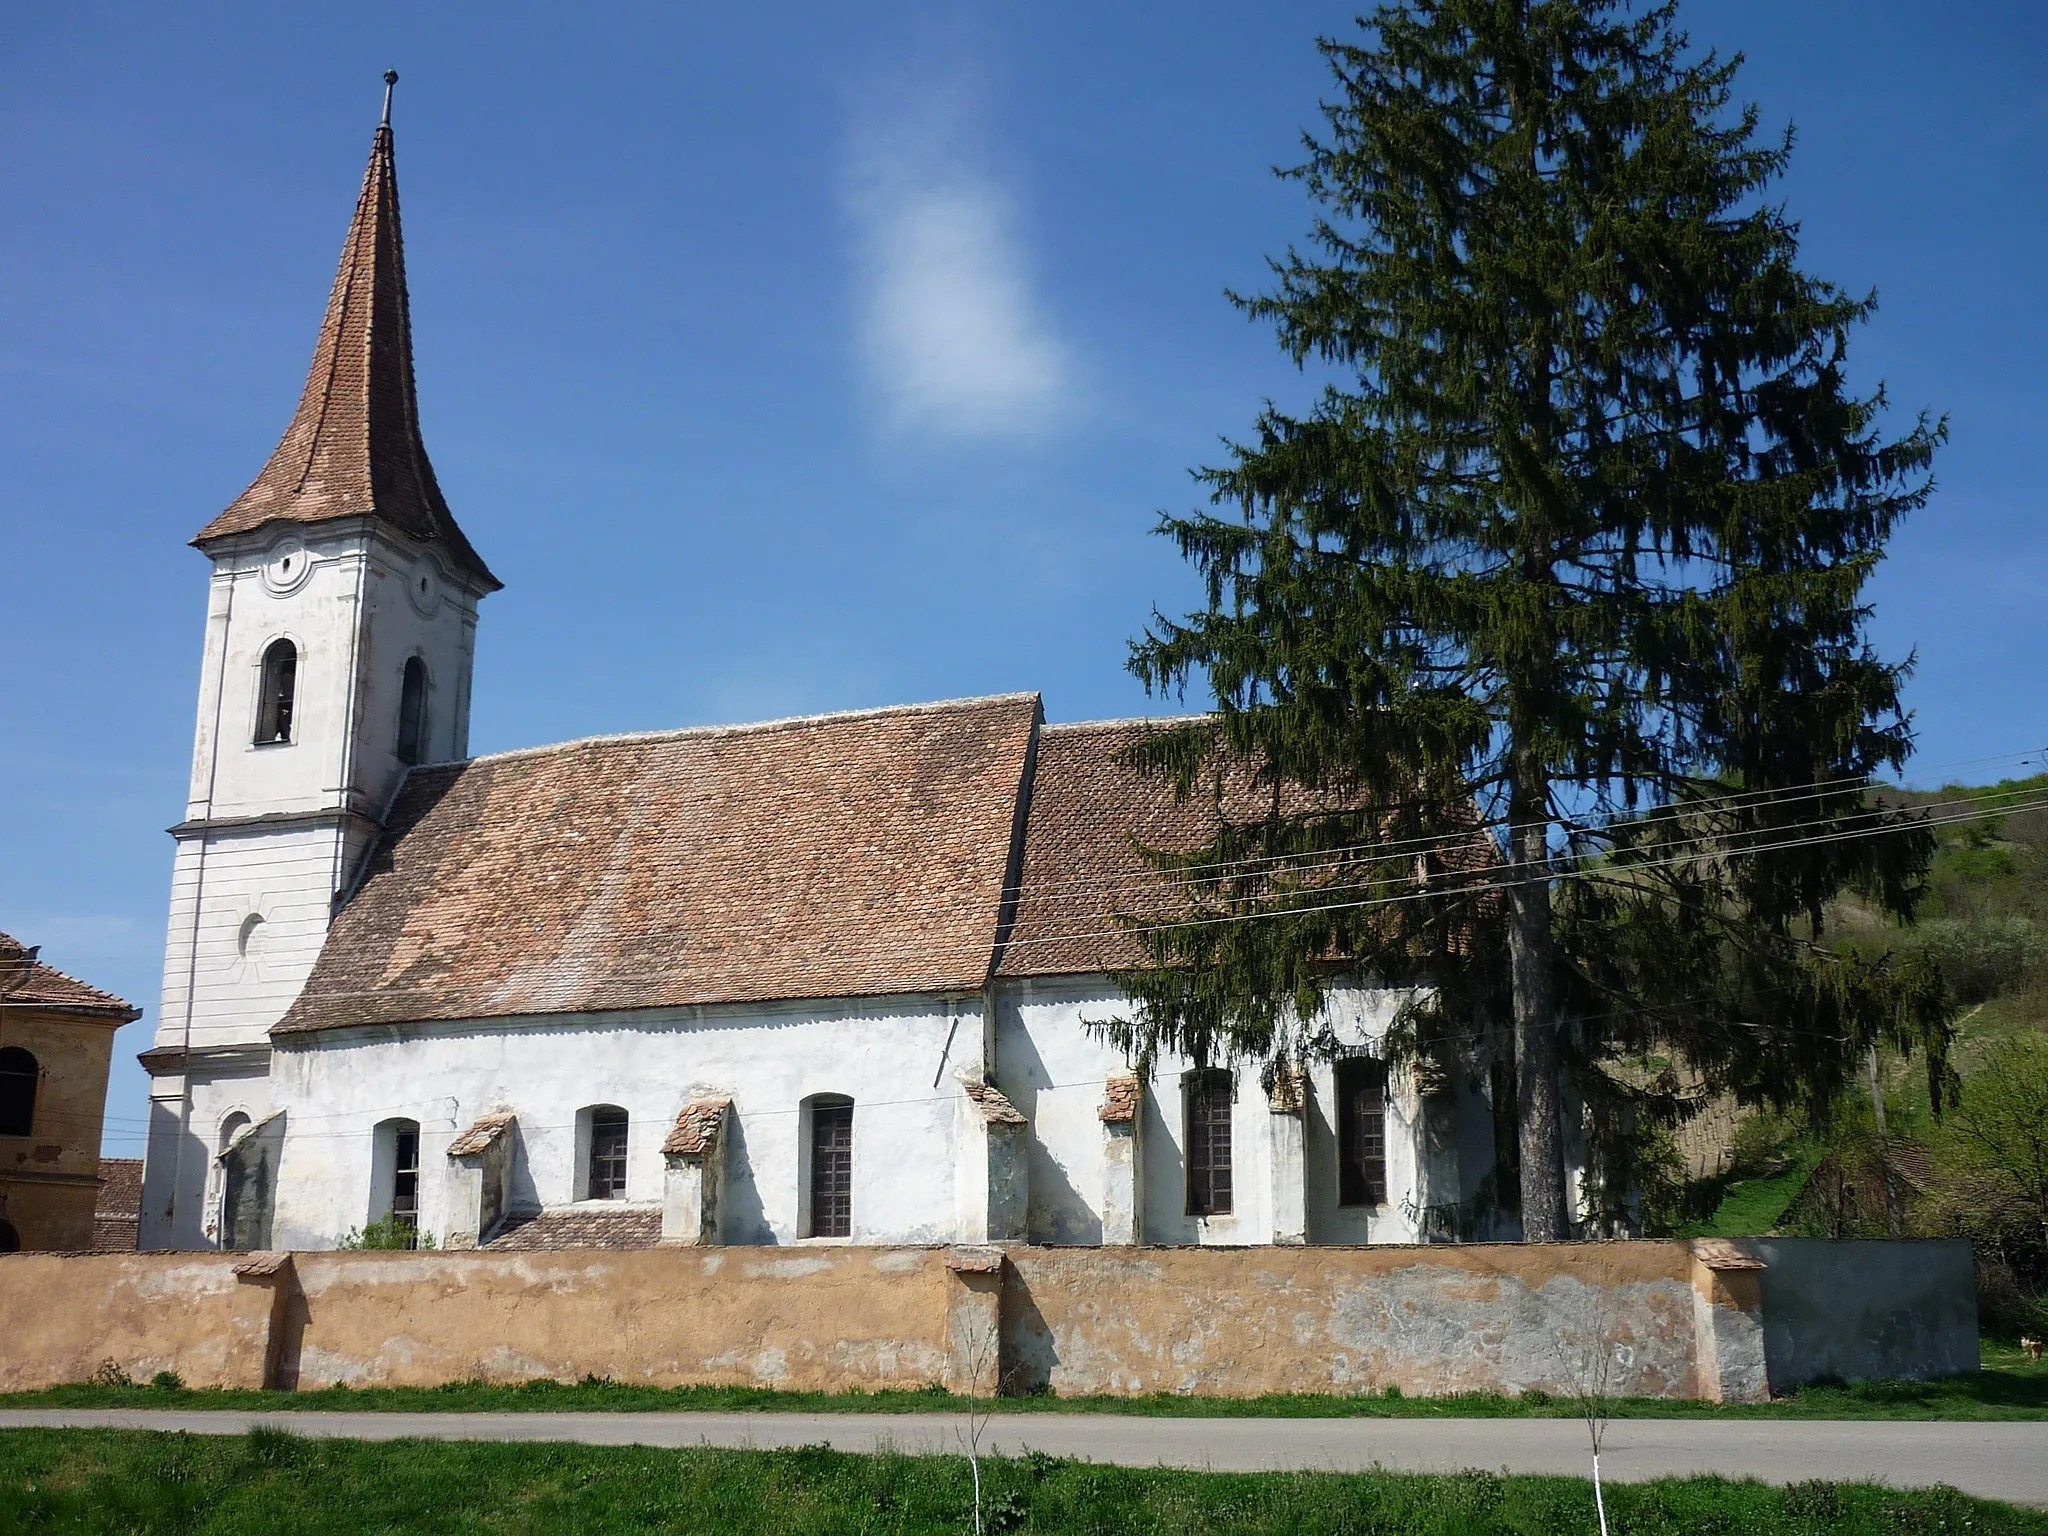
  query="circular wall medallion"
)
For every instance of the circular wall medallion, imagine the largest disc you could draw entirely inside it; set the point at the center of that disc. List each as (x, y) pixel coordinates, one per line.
(423, 586)
(287, 567)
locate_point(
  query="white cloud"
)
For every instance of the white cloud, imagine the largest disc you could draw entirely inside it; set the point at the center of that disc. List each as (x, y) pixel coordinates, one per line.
(952, 336)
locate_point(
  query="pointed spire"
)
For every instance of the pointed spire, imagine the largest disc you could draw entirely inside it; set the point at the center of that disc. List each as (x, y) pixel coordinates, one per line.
(353, 448)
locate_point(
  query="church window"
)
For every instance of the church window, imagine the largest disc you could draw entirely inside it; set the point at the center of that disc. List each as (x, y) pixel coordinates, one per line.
(831, 1170)
(1361, 1132)
(1209, 1094)
(19, 1076)
(607, 1154)
(277, 694)
(10, 1240)
(412, 711)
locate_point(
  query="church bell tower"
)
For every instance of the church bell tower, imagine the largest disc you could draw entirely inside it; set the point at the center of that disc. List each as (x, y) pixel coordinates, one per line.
(340, 628)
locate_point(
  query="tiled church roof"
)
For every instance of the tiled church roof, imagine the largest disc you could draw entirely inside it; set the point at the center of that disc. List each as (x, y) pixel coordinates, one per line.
(27, 982)
(353, 448)
(836, 856)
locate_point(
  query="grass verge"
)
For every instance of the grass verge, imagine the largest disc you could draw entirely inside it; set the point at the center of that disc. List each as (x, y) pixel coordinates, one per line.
(2009, 1387)
(267, 1481)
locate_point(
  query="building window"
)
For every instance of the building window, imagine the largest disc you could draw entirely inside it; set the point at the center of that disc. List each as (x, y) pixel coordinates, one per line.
(19, 1075)
(607, 1154)
(412, 711)
(1361, 1132)
(1209, 1098)
(279, 689)
(831, 1123)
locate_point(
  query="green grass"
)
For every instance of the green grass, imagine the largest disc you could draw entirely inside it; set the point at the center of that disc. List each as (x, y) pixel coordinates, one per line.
(2010, 1387)
(268, 1482)
(1749, 1207)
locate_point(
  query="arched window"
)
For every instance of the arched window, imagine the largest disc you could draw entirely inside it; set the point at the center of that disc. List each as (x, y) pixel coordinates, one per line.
(828, 1118)
(395, 1180)
(10, 1240)
(19, 1074)
(279, 688)
(412, 711)
(607, 1177)
(1208, 1096)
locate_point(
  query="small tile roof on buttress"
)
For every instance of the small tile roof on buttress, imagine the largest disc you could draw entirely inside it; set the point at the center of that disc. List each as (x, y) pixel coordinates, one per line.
(353, 448)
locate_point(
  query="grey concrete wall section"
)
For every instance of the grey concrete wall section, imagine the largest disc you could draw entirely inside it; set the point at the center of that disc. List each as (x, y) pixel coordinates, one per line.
(1866, 1310)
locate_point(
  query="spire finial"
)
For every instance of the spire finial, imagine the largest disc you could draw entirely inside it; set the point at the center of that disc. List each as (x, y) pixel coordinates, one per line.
(390, 79)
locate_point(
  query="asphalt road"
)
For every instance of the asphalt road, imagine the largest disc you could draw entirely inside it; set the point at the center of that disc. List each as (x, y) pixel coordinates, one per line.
(1997, 1460)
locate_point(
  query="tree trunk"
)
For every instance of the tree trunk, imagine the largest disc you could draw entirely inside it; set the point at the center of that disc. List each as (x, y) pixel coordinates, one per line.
(1539, 1128)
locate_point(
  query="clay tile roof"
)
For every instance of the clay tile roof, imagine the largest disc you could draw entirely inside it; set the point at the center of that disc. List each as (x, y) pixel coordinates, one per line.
(996, 1109)
(117, 1216)
(573, 1227)
(263, 1265)
(848, 855)
(1091, 813)
(696, 1128)
(26, 982)
(353, 448)
(1721, 1253)
(479, 1137)
(1120, 1097)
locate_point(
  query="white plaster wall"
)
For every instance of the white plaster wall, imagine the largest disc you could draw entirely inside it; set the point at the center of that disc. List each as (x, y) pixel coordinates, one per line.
(352, 617)
(281, 874)
(897, 1060)
(179, 1196)
(1052, 1066)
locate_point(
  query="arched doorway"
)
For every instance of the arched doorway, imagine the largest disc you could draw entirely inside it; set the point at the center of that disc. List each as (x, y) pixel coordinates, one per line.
(10, 1240)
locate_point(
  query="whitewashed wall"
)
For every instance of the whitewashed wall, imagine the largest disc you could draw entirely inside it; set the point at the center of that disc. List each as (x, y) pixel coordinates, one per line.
(898, 1060)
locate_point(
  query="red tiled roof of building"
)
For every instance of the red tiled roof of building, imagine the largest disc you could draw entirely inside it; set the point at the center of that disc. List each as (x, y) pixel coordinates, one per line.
(1084, 874)
(1090, 813)
(117, 1218)
(578, 1227)
(29, 983)
(353, 448)
(845, 855)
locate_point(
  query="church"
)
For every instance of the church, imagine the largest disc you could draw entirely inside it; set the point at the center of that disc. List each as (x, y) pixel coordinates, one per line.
(836, 979)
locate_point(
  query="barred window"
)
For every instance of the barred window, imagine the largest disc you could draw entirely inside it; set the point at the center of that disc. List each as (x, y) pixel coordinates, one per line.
(831, 1167)
(607, 1154)
(1209, 1098)
(1361, 1132)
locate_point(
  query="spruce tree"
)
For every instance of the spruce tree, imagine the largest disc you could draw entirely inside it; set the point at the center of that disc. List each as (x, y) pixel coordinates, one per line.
(1569, 557)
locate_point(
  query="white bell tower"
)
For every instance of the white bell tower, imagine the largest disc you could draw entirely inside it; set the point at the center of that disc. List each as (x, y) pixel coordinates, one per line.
(340, 629)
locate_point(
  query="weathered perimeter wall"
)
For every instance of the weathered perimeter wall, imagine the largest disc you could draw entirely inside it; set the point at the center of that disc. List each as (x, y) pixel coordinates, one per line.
(61, 1316)
(1866, 1310)
(1722, 1320)
(819, 1320)
(1429, 1320)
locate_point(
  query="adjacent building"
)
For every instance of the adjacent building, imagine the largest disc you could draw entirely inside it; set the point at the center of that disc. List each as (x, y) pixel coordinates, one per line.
(56, 1041)
(834, 979)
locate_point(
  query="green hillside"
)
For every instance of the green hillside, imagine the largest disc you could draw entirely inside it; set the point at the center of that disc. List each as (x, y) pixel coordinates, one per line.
(1981, 1169)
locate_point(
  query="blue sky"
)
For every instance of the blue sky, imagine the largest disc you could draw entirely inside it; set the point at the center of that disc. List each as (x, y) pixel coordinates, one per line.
(798, 357)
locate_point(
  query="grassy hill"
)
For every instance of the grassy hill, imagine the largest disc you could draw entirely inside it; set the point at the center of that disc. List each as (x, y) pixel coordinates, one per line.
(1970, 1172)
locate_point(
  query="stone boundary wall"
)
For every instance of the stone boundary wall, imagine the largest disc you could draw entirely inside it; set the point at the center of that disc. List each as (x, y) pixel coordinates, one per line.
(1723, 1320)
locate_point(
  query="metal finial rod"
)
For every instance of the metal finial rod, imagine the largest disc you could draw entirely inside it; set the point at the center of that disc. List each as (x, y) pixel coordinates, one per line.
(390, 79)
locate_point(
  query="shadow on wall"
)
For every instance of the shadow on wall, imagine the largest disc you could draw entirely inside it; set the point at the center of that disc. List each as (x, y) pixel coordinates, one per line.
(741, 1218)
(1030, 1353)
(1055, 1211)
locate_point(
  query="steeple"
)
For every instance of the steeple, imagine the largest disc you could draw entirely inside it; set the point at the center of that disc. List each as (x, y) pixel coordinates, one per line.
(353, 448)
